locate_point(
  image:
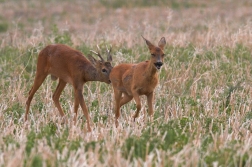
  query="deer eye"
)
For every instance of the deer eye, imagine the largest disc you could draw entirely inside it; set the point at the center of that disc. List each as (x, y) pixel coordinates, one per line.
(104, 70)
(153, 55)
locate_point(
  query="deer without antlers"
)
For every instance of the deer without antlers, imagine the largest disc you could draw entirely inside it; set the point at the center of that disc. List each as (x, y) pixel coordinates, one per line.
(70, 66)
(133, 80)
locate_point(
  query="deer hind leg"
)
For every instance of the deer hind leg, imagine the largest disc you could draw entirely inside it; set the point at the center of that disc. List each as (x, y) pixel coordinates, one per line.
(78, 94)
(118, 98)
(138, 105)
(39, 79)
(56, 96)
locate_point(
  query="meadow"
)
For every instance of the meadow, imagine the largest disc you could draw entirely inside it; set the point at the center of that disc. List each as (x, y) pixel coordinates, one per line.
(203, 106)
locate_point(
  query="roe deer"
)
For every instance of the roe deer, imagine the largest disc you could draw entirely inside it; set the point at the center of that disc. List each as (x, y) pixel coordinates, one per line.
(70, 66)
(133, 80)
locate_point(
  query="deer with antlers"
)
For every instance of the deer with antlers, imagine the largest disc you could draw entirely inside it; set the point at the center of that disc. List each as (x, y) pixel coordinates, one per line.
(69, 66)
(133, 80)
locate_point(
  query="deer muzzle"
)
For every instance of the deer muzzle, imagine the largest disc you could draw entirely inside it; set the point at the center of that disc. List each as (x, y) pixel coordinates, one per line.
(158, 65)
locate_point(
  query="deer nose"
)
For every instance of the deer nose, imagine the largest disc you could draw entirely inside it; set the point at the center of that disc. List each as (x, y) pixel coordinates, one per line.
(158, 64)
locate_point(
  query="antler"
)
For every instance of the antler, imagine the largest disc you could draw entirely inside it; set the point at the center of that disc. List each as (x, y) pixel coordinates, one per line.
(94, 52)
(91, 58)
(98, 53)
(109, 58)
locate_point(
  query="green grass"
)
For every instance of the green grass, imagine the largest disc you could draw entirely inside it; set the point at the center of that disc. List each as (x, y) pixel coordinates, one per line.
(172, 134)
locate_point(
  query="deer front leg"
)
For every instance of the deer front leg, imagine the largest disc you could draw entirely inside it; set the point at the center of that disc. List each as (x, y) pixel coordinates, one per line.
(138, 105)
(78, 93)
(76, 106)
(126, 98)
(117, 96)
(56, 96)
(150, 106)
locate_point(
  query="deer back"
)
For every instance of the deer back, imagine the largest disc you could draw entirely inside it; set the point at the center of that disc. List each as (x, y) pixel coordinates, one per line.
(70, 65)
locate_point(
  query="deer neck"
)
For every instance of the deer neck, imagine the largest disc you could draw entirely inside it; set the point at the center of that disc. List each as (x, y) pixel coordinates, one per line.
(151, 70)
(91, 73)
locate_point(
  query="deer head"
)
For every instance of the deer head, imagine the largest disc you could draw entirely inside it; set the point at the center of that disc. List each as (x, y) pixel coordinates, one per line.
(103, 67)
(157, 53)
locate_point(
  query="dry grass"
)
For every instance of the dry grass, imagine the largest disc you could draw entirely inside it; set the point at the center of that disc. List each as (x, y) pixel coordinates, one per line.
(203, 102)
(213, 24)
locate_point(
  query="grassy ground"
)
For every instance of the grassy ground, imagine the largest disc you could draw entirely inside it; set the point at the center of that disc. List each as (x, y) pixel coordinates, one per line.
(203, 100)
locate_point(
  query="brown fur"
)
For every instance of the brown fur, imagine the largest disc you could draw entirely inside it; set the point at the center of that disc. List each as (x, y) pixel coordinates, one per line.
(70, 66)
(133, 80)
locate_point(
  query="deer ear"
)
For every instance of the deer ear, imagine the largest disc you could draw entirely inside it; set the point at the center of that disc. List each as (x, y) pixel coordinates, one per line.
(162, 43)
(92, 59)
(109, 58)
(150, 45)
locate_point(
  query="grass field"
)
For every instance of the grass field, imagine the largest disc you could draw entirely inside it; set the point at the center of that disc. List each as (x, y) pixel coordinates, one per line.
(203, 106)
